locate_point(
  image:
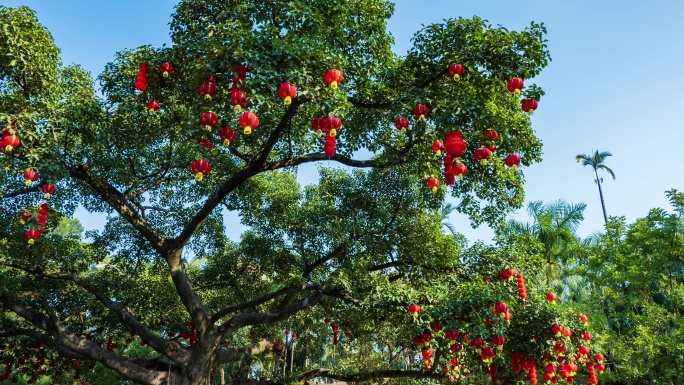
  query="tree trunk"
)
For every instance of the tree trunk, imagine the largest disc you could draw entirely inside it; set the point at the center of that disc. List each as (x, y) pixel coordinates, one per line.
(603, 203)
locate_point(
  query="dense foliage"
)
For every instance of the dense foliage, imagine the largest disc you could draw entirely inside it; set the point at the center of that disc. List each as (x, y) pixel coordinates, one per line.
(161, 295)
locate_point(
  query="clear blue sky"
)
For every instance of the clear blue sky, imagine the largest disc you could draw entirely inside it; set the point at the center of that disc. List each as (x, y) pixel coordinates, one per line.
(615, 84)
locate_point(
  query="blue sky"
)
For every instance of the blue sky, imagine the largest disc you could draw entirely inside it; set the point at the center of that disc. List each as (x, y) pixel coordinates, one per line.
(615, 84)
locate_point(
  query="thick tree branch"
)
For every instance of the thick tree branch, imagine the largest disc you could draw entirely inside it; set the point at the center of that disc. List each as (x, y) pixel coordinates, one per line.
(224, 354)
(20, 192)
(80, 346)
(170, 349)
(247, 319)
(118, 202)
(365, 376)
(335, 253)
(258, 301)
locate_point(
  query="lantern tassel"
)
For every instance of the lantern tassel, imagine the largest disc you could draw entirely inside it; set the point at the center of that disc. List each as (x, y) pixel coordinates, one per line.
(199, 176)
(287, 100)
(248, 130)
(226, 142)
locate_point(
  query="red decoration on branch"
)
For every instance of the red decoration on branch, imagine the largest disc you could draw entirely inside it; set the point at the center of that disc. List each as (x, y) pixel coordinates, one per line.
(402, 124)
(152, 105)
(141, 80)
(512, 161)
(454, 144)
(238, 100)
(330, 145)
(287, 92)
(30, 176)
(515, 85)
(331, 125)
(49, 190)
(421, 111)
(529, 105)
(456, 71)
(433, 184)
(208, 120)
(166, 69)
(249, 121)
(200, 168)
(227, 135)
(334, 77)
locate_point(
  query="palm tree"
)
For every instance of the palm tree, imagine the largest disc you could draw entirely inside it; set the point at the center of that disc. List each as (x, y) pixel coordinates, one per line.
(554, 225)
(596, 162)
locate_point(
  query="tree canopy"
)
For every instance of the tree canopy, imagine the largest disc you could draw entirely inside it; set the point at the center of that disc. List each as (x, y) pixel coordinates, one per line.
(161, 295)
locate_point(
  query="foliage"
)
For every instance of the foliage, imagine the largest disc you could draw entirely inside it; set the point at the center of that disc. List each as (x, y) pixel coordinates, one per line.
(162, 295)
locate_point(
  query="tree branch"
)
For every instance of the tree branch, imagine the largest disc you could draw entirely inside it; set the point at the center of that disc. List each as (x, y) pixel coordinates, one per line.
(365, 376)
(170, 349)
(258, 301)
(224, 354)
(20, 192)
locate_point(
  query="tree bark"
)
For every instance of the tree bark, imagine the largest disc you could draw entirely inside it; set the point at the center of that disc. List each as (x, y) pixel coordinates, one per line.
(603, 203)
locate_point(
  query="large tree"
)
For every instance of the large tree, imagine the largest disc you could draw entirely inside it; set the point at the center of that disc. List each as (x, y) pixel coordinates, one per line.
(357, 247)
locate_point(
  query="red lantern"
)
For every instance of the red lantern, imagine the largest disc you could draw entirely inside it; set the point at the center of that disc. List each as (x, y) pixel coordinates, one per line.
(240, 72)
(421, 111)
(598, 357)
(152, 105)
(332, 124)
(456, 71)
(454, 144)
(515, 85)
(437, 147)
(208, 90)
(499, 341)
(460, 169)
(205, 144)
(506, 274)
(48, 190)
(249, 121)
(512, 161)
(491, 135)
(30, 176)
(501, 308)
(287, 92)
(166, 69)
(482, 154)
(433, 184)
(522, 291)
(237, 99)
(9, 142)
(583, 350)
(200, 168)
(600, 367)
(402, 124)
(330, 145)
(318, 125)
(414, 309)
(208, 120)
(141, 81)
(586, 336)
(477, 343)
(333, 77)
(25, 216)
(32, 235)
(583, 318)
(227, 135)
(551, 296)
(529, 105)
(451, 334)
(436, 326)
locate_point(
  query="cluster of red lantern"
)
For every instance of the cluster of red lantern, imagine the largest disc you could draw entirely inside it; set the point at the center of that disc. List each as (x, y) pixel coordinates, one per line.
(188, 334)
(330, 126)
(40, 366)
(141, 80)
(37, 226)
(522, 291)
(9, 140)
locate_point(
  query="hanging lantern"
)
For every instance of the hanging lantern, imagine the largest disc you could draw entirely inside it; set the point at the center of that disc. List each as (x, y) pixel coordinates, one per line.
(460, 169)
(456, 71)
(240, 72)
(490, 146)
(454, 144)
(208, 89)
(141, 80)
(477, 344)
(200, 168)
(551, 297)
(330, 145)
(499, 341)
(522, 291)
(25, 216)
(318, 125)
(166, 69)
(31, 235)
(433, 184)
(515, 85)
(208, 120)
(501, 308)
(436, 326)
(238, 99)
(529, 105)
(482, 154)
(334, 77)
(491, 135)
(586, 336)
(512, 161)
(331, 125)
(48, 190)
(205, 144)
(451, 334)
(249, 121)
(414, 309)
(30, 176)
(402, 124)
(9, 142)
(449, 176)
(227, 135)
(152, 105)
(583, 319)
(437, 147)
(287, 92)
(421, 111)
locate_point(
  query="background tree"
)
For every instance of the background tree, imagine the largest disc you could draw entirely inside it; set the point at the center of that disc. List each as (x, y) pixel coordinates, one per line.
(596, 162)
(357, 247)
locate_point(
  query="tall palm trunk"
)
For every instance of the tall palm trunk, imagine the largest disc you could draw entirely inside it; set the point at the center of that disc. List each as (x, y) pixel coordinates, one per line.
(603, 203)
